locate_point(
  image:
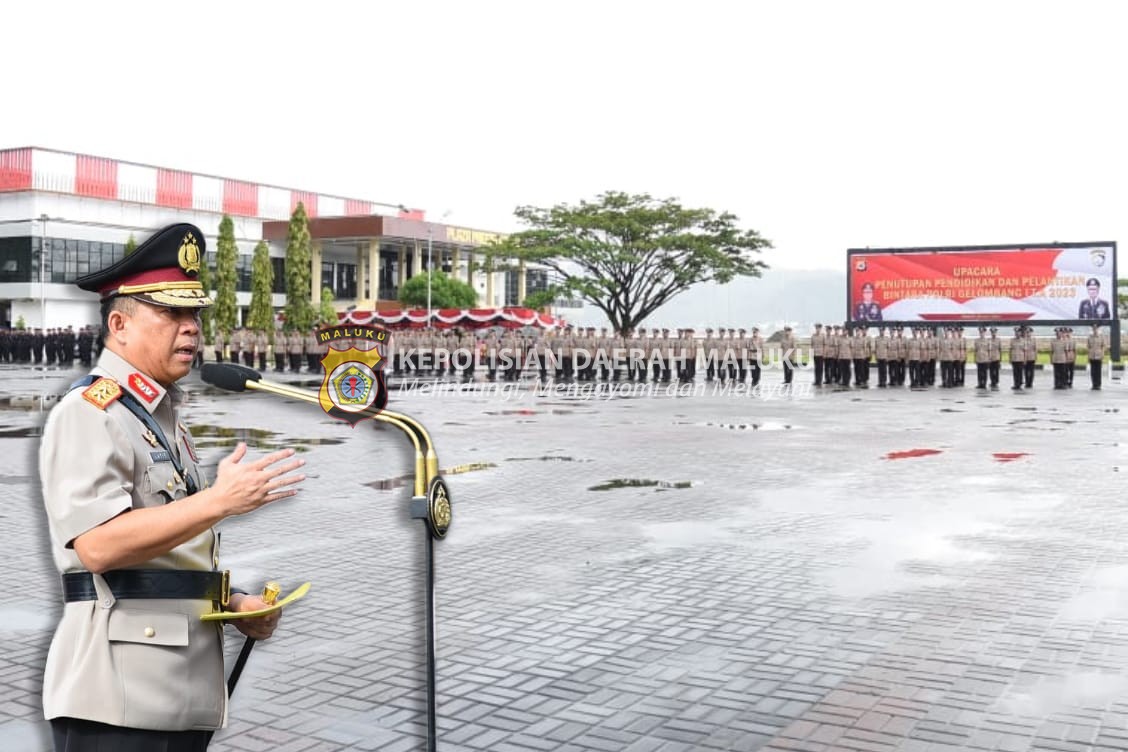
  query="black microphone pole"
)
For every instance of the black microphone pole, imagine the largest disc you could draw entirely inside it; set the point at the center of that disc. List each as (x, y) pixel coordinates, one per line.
(430, 500)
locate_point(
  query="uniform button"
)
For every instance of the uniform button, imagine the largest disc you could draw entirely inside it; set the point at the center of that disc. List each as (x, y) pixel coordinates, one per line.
(150, 632)
(170, 485)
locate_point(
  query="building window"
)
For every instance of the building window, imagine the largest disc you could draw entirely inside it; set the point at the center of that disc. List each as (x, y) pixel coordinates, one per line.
(68, 259)
(279, 267)
(15, 259)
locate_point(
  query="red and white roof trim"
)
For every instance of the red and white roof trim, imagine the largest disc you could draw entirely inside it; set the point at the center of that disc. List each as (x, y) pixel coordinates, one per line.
(33, 169)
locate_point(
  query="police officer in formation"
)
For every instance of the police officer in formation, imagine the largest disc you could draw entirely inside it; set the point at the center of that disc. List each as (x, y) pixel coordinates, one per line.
(1098, 344)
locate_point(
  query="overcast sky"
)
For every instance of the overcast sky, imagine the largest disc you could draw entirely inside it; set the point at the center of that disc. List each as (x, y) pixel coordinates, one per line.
(824, 125)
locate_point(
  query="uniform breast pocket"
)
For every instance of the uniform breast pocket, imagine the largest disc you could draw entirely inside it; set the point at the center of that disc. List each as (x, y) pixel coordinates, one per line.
(148, 628)
(163, 484)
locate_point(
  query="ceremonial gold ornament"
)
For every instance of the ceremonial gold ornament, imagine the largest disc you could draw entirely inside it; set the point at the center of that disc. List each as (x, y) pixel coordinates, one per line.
(298, 594)
(189, 255)
(439, 508)
(270, 592)
(150, 437)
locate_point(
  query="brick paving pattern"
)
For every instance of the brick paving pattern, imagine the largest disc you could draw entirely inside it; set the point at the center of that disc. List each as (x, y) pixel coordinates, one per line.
(784, 587)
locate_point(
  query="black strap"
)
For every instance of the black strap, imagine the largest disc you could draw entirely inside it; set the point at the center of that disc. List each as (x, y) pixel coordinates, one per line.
(133, 405)
(188, 584)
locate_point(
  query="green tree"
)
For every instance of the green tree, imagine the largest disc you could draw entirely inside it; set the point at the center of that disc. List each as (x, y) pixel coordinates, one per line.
(628, 255)
(226, 256)
(261, 313)
(130, 245)
(327, 312)
(446, 292)
(539, 299)
(207, 315)
(299, 309)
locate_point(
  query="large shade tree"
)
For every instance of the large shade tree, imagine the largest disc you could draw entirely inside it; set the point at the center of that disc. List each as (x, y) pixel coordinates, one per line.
(300, 313)
(630, 254)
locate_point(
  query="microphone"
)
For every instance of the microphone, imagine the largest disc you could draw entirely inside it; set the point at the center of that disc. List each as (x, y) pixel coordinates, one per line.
(230, 377)
(430, 502)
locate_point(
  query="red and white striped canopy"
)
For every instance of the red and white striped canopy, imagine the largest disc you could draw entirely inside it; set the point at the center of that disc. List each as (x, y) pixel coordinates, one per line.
(447, 318)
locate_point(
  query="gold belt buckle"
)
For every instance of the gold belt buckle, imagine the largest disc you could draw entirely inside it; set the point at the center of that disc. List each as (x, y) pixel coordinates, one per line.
(225, 588)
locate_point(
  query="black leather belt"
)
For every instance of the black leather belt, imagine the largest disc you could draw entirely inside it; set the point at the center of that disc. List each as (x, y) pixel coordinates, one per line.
(186, 584)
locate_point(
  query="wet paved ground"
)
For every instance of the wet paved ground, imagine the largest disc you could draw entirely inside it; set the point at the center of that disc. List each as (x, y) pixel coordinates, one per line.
(789, 575)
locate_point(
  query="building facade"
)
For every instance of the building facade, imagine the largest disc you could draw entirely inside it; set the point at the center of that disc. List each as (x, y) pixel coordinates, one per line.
(63, 215)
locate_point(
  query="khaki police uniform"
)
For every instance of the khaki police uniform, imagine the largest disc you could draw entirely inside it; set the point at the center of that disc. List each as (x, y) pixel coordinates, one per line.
(1097, 344)
(146, 663)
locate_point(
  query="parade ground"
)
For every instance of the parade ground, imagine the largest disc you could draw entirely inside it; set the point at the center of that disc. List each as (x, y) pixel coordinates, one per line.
(657, 570)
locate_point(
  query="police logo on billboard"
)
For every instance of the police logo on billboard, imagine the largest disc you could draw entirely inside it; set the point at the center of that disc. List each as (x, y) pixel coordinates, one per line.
(354, 388)
(860, 265)
(1098, 256)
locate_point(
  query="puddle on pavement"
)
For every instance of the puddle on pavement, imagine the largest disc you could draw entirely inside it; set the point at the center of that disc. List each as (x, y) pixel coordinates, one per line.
(390, 484)
(17, 619)
(908, 453)
(743, 426)
(657, 485)
(208, 436)
(546, 458)
(14, 480)
(7, 432)
(527, 411)
(1009, 456)
(1058, 695)
(468, 467)
(685, 534)
(28, 402)
(951, 410)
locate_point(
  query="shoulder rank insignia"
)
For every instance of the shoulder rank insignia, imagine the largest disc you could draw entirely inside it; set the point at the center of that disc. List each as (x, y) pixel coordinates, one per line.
(102, 392)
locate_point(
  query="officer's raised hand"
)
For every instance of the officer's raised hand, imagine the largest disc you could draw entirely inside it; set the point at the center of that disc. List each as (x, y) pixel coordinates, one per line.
(244, 485)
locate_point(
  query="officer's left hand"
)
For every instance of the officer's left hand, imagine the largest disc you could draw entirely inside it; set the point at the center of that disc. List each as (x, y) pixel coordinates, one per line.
(257, 627)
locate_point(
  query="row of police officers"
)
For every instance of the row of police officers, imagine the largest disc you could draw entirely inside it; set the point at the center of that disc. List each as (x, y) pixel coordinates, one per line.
(841, 355)
(289, 349)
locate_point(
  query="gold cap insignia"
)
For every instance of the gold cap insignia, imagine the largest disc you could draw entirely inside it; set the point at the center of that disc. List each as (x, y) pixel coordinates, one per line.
(189, 256)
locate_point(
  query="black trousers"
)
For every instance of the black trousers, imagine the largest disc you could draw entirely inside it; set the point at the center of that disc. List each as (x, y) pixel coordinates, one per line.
(993, 372)
(1095, 373)
(74, 735)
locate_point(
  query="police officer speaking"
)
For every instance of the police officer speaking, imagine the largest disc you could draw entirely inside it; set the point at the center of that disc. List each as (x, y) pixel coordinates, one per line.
(132, 666)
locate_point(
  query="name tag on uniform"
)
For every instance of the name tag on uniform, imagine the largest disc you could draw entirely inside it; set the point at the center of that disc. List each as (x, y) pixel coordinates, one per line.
(161, 456)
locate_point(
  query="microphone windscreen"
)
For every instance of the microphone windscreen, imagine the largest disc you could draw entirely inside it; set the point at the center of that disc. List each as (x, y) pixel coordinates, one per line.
(230, 376)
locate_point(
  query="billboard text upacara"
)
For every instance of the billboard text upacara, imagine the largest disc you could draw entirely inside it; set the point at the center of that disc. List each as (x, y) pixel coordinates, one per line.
(1052, 282)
